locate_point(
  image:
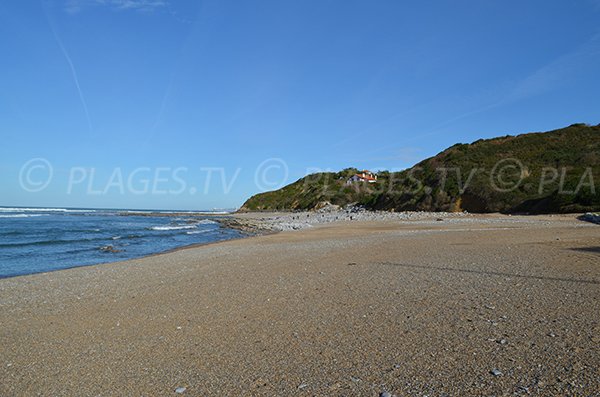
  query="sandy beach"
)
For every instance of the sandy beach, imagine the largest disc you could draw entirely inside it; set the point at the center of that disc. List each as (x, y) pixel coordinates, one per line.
(477, 305)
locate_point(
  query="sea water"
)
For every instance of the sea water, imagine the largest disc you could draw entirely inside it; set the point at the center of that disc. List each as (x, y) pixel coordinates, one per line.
(34, 240)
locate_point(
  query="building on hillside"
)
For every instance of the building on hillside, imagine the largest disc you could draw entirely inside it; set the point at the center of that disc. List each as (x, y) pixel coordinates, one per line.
(363, 176)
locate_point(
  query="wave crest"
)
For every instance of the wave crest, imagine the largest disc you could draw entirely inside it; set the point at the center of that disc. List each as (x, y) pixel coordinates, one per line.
(172, 227)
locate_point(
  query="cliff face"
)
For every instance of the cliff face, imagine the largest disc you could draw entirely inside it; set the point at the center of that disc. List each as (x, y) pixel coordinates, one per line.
(555, 171)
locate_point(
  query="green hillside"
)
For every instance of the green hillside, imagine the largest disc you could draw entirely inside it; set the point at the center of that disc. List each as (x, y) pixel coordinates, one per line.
(554, 171)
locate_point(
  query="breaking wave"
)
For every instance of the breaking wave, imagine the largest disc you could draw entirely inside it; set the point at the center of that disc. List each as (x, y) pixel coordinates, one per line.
(172, 227)
(21, 215)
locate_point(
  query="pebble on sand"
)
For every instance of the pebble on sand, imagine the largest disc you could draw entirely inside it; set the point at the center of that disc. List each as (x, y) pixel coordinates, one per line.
(180, 390)
(496, 372)
(302, 386)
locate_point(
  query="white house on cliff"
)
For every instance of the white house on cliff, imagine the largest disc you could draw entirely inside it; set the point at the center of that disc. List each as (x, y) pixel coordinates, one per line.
(363, 176)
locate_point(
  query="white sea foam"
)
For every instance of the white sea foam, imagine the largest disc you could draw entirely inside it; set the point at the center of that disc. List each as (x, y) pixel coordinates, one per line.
(197, 231)
(21, 215)
(206, 222)
(7, 209)
(172, 227)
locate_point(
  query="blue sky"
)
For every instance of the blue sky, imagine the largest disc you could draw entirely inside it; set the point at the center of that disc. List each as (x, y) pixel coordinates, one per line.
(115, 91)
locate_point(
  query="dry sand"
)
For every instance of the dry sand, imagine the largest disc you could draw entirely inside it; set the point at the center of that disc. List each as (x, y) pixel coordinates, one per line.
(354, 308)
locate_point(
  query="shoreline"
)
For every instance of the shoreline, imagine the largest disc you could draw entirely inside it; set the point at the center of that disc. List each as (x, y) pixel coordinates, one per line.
(183, 247)
(262, 223)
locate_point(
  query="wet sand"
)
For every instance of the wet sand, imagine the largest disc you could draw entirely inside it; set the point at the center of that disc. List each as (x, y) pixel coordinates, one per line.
(486, 305)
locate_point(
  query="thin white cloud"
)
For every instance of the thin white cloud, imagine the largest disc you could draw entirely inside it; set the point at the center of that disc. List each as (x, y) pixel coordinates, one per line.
(73, 73)
(595, 4)
(76, 81)
(142, 5)
(76, 6)
(73, 6)
(549, 77)
(558, 72)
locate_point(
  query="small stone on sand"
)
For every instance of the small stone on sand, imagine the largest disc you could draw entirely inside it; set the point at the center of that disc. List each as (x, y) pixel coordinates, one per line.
(302, 386)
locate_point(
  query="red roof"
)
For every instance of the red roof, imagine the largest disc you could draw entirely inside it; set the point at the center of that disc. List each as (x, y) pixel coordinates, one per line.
(367, 176)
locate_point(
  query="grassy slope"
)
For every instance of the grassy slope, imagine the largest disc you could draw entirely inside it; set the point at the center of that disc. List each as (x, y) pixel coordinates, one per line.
(462, 177)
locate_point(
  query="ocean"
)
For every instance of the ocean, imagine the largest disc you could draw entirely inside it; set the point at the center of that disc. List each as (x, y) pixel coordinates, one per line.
(34, 240)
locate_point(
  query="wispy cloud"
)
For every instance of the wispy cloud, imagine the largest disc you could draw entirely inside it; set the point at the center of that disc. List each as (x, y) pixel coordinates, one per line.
(551, 76)
(76, 6)
(558, 72)
(595, 4)
(75, 80)
(73, 72)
